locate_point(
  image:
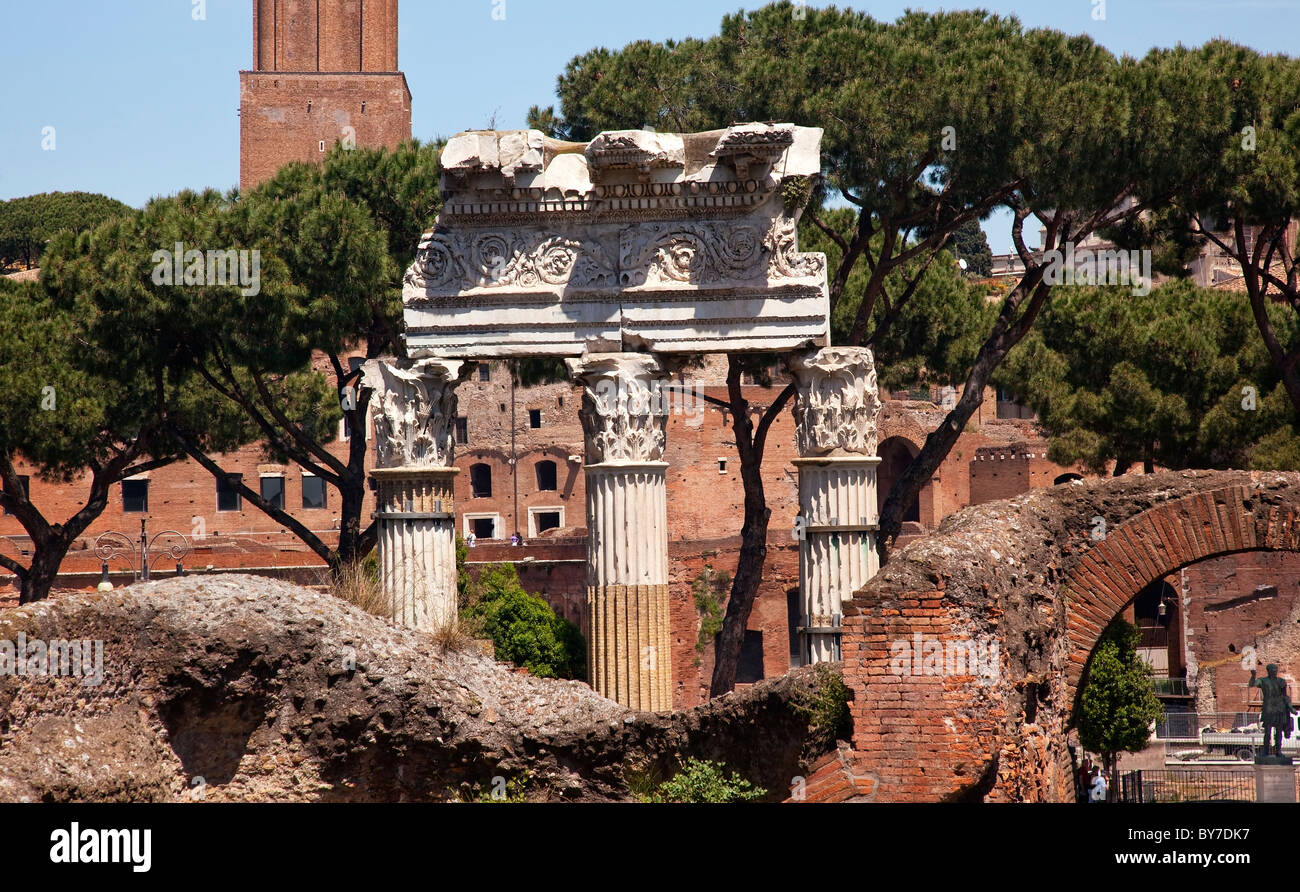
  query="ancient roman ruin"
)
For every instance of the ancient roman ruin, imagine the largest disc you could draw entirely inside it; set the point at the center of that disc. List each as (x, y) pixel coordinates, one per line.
(624, 256)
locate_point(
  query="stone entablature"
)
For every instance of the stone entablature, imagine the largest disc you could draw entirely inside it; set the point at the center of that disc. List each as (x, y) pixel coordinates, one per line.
(634, 241)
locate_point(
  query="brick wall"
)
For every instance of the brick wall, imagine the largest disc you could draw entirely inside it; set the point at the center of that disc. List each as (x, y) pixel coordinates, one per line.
(1251, 599)
(285, 117)
(325, 35)
(692, 667)
(324, 71)
(1002, 471)
(493, 410)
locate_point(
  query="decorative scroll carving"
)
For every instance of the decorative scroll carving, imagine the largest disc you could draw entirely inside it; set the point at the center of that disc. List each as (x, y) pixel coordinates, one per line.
(836, 403)
(697, 253)
(786, 260)
(712, 254)
(413, 409)
(621, 416)
(448, 262)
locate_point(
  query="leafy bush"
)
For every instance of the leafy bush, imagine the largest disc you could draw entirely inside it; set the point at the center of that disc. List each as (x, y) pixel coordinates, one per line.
(826, 709)
(523, 628)
(501, 789)
(710, 590)
(704, 781)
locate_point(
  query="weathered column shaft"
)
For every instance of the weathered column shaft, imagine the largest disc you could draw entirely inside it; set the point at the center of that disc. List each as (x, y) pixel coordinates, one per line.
(837, 501)
(413, 407)
(629, 651)
(417, 545)
(835, 411)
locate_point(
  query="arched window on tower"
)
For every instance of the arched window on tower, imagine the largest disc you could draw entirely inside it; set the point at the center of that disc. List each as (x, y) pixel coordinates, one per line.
(546, 478)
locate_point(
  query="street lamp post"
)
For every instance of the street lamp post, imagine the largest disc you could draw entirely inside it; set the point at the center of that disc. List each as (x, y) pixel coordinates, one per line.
(114, 544)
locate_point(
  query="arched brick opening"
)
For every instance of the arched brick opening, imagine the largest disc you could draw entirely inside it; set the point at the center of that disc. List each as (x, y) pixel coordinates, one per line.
(1159, 541)
(896, 453)
(1028, 583)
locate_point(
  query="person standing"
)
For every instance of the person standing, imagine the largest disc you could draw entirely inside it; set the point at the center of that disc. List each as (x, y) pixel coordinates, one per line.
(1099, 786)
(1083, 781)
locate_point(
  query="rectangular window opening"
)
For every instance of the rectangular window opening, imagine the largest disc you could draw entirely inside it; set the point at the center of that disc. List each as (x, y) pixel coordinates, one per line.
(313, 492)
(228, 497)
(135, 496)
(273, 491)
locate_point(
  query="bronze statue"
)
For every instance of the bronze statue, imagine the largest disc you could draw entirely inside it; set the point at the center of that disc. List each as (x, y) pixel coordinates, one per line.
(1275, 711)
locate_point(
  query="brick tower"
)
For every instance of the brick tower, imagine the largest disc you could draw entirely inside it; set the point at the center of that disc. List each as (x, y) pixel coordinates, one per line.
(324, 71)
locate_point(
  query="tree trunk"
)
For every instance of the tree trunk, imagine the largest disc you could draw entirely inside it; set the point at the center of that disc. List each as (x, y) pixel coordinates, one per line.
(47, 556)
(50, 542)
(1008, 331)
(1112, 769)
(753, 541)
(355, 542)
(1286, 363)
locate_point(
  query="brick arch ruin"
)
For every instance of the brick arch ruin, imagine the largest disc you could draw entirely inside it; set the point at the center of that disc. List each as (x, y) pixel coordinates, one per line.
(965, 653)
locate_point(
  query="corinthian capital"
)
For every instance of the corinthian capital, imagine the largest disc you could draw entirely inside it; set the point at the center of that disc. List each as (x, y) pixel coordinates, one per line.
(623, 414)
(836, 402)
(413, 409)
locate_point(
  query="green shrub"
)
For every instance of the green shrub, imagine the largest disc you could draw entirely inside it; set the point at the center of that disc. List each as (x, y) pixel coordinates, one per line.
(523, 628)
(514, 789)
(826, 709)
(703, 781)
(710, 591)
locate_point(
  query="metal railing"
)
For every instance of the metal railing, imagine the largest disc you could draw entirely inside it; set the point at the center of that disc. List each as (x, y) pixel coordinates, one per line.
(1187, 786)
(1188, 725)
(1172, 687)
(1179, 726)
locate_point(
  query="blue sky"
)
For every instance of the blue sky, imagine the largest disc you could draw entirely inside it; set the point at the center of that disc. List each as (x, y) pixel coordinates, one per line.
(144, 99)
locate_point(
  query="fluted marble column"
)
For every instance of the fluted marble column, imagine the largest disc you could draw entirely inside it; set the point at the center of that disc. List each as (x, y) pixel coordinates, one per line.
(629, 652)
(413, 409)
(835, 411)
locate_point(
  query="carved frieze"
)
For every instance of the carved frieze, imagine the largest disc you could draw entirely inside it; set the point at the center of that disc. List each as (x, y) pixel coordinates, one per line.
(703, 254)
(452, 261)
(837, 402)
(413, 410)
(637, 240)
(698, 253)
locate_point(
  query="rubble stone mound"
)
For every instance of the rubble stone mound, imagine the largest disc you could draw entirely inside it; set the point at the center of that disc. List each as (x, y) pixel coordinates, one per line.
(241, 688)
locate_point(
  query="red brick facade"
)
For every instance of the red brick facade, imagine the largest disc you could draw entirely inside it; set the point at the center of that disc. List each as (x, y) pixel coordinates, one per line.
(1030, 577)
(705, 504)
(324, 72)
